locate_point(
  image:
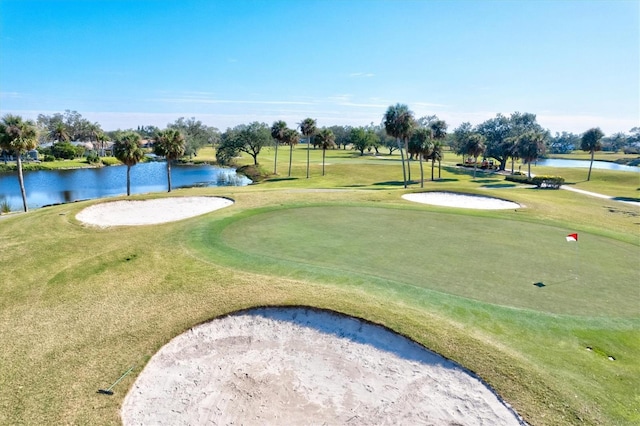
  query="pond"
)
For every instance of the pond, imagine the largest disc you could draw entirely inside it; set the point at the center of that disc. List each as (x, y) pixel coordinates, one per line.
(63, 186)
(605, 165)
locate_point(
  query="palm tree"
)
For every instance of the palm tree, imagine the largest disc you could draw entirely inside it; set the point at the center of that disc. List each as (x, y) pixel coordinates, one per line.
(95, 132)
(127, 149)
(59, 132)
(591, 142)
(420, 143)
(170, 144)
(530, 147)
(18, 136)
(475, 147)
(278, 130)
(327, 140)
(399, 123)
(439, 133)
(436, 154)
(308, 128)
(291, 138)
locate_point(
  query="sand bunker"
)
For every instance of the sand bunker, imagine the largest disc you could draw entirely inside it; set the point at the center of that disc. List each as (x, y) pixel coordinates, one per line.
(305, 366)
(148, 212)
(452, 199)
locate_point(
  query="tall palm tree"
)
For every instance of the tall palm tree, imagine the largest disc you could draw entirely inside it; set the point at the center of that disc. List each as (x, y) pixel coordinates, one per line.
(96, 133)
(18, 136)
(327, 140)
(127, 149)
(399, 122)
(475, 147)
(59, 133)
(308, 128)
(437, 154)
(591, 142)
(420, 143)
(170, 144)
(439, 133)
(291, 138)
(530, 147)
(278, 130)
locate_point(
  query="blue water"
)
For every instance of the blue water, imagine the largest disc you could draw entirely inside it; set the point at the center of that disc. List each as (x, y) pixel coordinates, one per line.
(605, 165)
(64, 186)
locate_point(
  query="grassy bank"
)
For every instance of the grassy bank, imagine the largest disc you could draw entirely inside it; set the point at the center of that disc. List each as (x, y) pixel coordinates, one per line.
(81, 305)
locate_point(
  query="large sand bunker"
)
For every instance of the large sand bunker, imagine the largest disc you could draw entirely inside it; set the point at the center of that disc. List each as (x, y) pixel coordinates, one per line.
(305, 366)
(148, 212)
(467, 201)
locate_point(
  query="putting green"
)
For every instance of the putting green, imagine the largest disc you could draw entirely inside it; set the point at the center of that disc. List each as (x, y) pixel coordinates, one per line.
(498, 261)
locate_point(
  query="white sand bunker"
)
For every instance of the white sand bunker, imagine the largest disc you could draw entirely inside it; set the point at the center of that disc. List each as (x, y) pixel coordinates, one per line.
(148, 212)
(305, 366)
(466, 201)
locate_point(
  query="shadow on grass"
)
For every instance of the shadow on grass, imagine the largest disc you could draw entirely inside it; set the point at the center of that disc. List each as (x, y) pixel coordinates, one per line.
(500, 185)
(281, 179)
(488, 180)
(391, 183)
(445, 180)
(628, 199)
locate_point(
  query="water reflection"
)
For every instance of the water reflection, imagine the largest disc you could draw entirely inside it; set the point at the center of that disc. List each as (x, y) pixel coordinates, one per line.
(64, 186)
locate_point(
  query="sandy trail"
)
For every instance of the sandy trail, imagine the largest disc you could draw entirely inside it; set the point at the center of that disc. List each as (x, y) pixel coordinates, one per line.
(305, 366)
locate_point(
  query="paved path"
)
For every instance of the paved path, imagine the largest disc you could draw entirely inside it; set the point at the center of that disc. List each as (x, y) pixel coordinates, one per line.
(594, 194)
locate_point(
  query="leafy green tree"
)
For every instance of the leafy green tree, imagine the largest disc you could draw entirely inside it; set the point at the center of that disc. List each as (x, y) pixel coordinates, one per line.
(196, 134)
(169, 144)
(361, 138)
(563, 143)
(531, 145)
(308, 129)
(385, 139)
(278, 130)
(326, 139)
(591, 142)
(437, 153)
(399, 122)
(615, 142)
(127, 149)
(245, 138)
(475, 147)
(291, 138)
(342, 135)
(18, 137)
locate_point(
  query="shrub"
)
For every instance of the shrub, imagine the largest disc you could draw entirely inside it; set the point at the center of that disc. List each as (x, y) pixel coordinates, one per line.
(546, 182)
(92, 158)
(549, 182)
(49, 157)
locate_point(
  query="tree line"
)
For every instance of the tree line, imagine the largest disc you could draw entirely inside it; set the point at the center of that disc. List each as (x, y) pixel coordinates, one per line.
(502, 138)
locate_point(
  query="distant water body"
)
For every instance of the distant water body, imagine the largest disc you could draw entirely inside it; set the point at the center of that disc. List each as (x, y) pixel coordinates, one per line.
(48, 187)
(604, 165)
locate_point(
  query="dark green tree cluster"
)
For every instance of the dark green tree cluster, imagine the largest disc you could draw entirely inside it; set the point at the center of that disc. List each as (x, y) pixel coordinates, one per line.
(247, 138)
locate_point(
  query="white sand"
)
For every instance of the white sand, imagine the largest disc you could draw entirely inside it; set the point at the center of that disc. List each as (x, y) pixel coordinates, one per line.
(148, 212)
(452, 199)
(293, 366)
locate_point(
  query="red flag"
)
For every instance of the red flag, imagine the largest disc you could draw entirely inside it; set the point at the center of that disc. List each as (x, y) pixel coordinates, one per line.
(572, 237)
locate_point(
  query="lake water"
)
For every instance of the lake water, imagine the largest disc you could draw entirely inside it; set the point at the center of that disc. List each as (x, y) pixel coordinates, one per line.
(605, 165)
(64, 186)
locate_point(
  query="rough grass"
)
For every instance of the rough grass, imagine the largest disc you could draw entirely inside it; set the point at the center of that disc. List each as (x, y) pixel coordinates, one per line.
(81, 305)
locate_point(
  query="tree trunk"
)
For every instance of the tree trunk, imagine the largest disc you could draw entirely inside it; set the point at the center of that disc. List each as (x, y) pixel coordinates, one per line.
(404, 172)
(421, 174)
(529, 168)
(21, 180)
(475, 166)
(275, 162)
(128, 180)
(590, 165)
(432, 165)
(323, 154)
(439, 168)
(406, 151)
(290, 157)
(512, 161)
(169, 174)
(308, 148)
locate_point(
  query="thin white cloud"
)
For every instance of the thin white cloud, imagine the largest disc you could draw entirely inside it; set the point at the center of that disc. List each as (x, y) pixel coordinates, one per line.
(361, 75)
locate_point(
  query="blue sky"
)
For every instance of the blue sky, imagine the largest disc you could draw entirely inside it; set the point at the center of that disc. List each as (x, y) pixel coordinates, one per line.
(575, 64)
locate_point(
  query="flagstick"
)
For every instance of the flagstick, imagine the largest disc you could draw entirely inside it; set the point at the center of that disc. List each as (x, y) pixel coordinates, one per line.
(577, 262)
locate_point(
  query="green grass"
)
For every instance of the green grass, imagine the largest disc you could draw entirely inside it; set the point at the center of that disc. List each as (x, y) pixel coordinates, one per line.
(80, 305)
